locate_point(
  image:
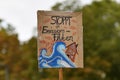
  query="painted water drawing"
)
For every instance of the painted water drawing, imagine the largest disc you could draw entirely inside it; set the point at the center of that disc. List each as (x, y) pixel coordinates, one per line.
(57, 59)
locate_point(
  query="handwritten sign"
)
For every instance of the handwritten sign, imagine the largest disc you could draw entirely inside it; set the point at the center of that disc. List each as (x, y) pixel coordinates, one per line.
(60, 39)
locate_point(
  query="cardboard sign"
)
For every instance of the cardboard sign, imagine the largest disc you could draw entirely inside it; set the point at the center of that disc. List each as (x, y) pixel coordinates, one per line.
(60, 39)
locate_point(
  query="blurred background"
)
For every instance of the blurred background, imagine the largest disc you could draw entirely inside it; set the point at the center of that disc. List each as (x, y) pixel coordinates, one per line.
(101, 23)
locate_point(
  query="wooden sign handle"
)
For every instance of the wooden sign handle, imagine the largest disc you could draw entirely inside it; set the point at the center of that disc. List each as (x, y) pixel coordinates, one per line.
(60, 74)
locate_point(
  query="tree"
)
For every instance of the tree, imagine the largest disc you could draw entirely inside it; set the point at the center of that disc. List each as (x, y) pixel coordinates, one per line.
(101, 37)
(9, 49)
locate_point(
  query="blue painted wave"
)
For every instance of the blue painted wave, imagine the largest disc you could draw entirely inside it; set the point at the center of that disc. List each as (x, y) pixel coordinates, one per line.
(57, 59)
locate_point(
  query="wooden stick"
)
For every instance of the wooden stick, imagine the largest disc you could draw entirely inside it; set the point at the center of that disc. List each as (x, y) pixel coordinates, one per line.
(60, 74)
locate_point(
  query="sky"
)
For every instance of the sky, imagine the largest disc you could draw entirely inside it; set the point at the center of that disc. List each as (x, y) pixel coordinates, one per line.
(22, 14)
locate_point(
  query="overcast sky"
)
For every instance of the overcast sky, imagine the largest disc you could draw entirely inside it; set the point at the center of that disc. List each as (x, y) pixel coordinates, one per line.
(22, 14)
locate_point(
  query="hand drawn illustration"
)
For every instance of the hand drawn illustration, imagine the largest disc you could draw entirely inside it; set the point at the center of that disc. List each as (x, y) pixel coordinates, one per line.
(72, 51)
(60, 42)
(57, 59)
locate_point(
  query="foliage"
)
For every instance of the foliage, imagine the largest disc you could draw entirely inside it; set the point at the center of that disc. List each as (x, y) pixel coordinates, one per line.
(9, 50)
(101, 21)
(101, 39)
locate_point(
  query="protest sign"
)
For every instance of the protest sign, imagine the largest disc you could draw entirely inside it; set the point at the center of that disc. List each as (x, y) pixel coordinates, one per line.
(60, 39)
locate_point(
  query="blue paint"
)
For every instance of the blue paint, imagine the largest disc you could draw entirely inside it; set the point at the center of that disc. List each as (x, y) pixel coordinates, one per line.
(57, 59)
